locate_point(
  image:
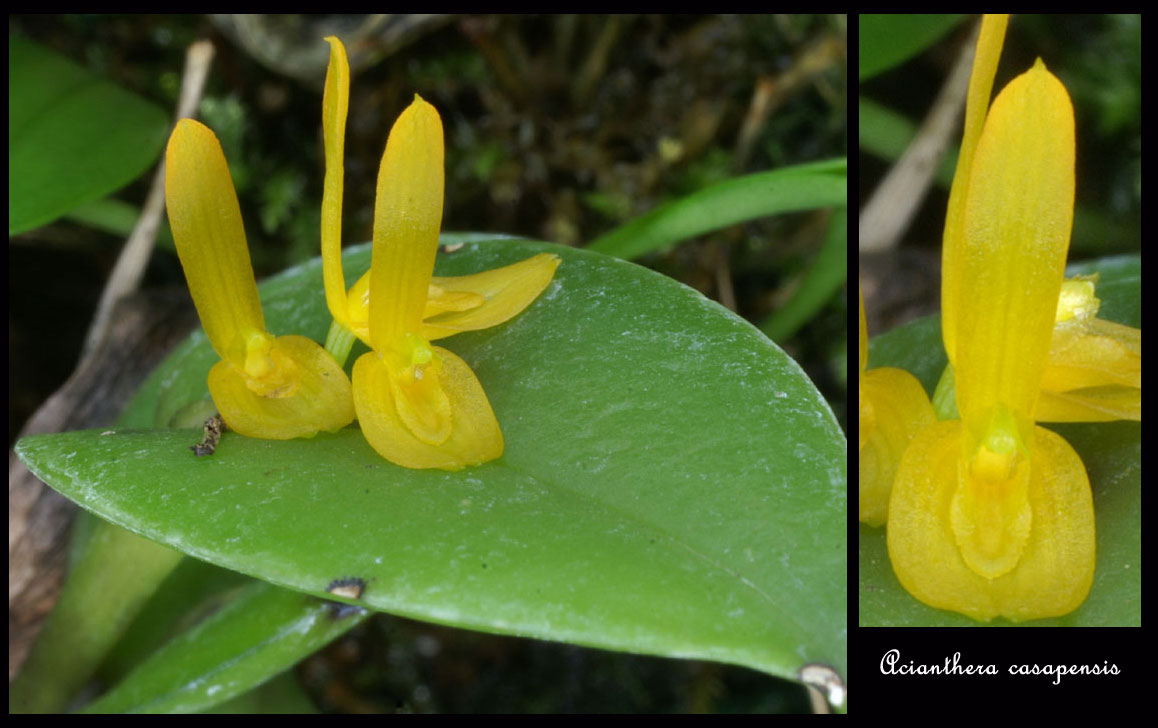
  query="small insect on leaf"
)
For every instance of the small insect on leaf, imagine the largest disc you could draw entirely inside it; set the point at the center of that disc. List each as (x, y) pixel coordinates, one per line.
(214, 426)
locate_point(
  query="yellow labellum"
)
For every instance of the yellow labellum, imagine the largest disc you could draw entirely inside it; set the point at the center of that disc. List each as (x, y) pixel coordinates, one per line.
(404, 427)
(1054, 549)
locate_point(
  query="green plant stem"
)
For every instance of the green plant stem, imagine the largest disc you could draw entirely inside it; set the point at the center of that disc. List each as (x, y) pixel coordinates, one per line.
(790, 189)
(339, 341)
(106, 588)
(945, 396)
(823, 279)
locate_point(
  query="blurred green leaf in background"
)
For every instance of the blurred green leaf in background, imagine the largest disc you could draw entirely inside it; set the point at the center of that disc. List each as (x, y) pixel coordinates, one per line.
(891, 39)
(73, 138)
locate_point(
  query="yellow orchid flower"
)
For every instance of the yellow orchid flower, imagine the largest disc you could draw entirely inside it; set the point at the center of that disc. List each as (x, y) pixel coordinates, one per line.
(453, 304)
(991, 515)
(273, 388)
(419, 405)
(893, 409)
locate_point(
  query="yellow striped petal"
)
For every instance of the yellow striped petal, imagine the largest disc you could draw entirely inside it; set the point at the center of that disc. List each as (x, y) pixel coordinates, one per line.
(388, 412)
(985, 59)
(440, 301)
(1094, 353)
(320, 398)
(335, 104)
(407, 217)
(1094, 373)
(1055, 568)
(899, 409)
(1018, 215)
(210, 238)
(492, 297)
(466, 303)
(1093, 404)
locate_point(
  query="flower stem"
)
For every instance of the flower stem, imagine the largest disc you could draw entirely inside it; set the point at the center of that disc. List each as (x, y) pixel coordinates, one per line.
(339, 342)
(945, 396)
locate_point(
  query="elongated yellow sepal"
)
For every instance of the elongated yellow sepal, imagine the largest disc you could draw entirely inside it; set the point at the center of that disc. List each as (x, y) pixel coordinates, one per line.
(1055, 567)
(1018, 215)
(985, 59)
(335, 104)
(991, 515)
(420, 406)
(407, 217)
(388, 421)
(210, 238)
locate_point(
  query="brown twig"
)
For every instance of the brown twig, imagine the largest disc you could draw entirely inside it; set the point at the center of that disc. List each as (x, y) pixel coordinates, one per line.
(772, 91)
(130, 266)
(893, 205)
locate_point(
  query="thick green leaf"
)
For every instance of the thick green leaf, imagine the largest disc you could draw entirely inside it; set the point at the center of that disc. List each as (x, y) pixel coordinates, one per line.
(790, 189)
(72, 137)
(1112, 454)
(262, 632)
(890, 39)
(672, 482)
